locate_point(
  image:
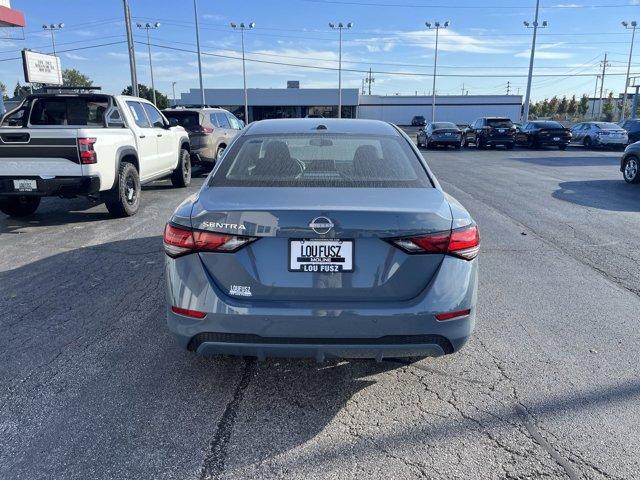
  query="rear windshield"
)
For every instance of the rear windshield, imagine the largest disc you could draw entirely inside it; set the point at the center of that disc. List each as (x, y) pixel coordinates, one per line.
(499, 122)
(445, 125)
(187, 120)
(87, 111)
(548, 124)
(321, 160)
(607, 126)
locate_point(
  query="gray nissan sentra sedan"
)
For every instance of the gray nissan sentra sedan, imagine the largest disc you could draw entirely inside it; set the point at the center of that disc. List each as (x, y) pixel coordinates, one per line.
(321, 238)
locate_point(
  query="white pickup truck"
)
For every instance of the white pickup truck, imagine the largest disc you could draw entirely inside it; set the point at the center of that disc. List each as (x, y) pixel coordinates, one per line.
(92, 145)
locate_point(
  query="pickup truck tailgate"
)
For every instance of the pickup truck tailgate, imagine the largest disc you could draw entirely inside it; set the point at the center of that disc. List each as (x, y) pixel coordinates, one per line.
(46, 152)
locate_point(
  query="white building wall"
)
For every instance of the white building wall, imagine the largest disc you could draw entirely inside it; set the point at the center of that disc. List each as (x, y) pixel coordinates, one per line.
(455, 108)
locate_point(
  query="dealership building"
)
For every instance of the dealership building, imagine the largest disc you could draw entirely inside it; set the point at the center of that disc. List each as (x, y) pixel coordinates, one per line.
(294, 102)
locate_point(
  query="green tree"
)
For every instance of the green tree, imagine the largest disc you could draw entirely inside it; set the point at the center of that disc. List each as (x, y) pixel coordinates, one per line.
(3, 91)
(553, 106)
(74, 78)
(21, 91)
(146, 93)
(562, 107)
(607, 108)
(572, 107)
(583, 106)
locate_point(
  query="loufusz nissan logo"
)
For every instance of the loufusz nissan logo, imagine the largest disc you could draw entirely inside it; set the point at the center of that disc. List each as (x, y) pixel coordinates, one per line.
(321, 225)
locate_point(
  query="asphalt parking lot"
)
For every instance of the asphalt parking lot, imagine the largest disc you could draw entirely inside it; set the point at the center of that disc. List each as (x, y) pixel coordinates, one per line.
(92, 385)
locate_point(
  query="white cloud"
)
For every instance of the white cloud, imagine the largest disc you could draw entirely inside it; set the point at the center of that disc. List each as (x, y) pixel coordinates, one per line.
(567, 5)
(544, 55)
(73, 56)
(214, 16)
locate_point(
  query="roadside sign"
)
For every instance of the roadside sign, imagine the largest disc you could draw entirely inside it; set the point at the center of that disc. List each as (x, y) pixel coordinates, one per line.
(41, 68)
(634, 82)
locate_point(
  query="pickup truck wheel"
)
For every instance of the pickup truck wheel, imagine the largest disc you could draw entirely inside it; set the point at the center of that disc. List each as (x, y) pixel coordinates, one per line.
(124, 200)
(181, 176)
(19, 206)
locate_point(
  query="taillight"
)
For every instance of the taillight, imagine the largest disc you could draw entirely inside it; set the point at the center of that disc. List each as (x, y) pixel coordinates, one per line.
(461, 242)
(180, 241)
(87, 153)
(201, 129)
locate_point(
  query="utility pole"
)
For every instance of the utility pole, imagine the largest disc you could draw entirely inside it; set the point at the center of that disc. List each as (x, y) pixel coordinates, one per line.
(147, 27)
(508, 87)
(370, 80)
(132, 52)
(462, 90)
(340, 26)
(436, 26)
(631, 26)
(195, 13)
(604, 64)
(527, 96)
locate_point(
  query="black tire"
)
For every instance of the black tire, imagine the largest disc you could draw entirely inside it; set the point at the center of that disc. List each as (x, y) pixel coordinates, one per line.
(562, 147)
(631, 170)
(124, 199)
(480, 144)
(219, 153)
(587, 142)
(21, 206)
(464, 143)
(509, 146)
(457, 146)
(181, 176)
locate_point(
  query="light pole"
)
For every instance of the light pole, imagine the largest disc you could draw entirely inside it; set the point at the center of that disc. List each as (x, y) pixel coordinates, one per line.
(435, 26)
(340, 26)
(173, 88)
(52, 28)
(535, 25)
(147, 27)
(242, 27)
(631, 26)
(195, 13)
(131, 50)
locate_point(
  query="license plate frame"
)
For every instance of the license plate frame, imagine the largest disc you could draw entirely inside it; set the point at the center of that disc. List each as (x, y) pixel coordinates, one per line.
(25, 185)
(332, 266)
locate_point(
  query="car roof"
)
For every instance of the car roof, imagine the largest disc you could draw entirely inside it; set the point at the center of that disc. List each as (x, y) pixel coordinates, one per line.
(333, 125)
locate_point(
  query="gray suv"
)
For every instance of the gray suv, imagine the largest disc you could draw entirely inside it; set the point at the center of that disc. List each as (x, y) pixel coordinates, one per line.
(210, 130)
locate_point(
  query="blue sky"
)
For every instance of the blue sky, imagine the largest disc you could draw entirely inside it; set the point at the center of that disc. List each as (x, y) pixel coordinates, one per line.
(485, 38)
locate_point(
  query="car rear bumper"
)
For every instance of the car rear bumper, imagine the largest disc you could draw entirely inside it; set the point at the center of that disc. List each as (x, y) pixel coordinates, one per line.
(203, 155)
(48, 187)
(604, 142)
(498, 140)
(365, 329)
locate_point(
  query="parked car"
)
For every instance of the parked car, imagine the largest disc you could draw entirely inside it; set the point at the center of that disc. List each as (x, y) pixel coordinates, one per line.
(632, 127)
(90, 145)
(490, 132)
(365, 257)
(439, 133)
(540, 133)
(418, 121)
(210, 129)
(599, 134)
(630, 163)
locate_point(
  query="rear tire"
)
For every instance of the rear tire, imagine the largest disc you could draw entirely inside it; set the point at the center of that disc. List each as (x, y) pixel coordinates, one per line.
(219, 153)
(562, 147)
(181, 176)
(457, 146)
(124, 199)
(20, 206)
(587, 142)
(631, 170)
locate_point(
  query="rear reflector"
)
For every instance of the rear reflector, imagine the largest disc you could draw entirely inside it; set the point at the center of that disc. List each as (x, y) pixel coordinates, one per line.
(461, 242)
(188, 313)
(452, 315)
(179, 240)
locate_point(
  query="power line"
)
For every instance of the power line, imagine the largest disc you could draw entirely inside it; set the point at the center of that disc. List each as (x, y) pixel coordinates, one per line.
(71, 50)
(464, 7)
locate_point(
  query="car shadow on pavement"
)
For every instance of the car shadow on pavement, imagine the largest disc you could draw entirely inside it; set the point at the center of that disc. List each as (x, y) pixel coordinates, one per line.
(563, 160)
(613, 195)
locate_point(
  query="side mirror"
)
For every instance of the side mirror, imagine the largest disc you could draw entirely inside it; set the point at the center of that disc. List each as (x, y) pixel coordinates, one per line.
(173, 122)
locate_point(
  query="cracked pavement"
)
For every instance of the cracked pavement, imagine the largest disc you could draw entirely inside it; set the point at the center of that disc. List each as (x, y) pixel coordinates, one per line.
(92, 385)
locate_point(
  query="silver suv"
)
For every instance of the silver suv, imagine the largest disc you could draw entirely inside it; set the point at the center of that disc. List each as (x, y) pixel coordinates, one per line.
(210, 130)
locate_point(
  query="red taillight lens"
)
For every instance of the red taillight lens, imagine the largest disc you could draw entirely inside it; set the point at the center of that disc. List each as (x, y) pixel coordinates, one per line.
(188, 313)
(462, 242)
(181, 241)
(201, 129)
(87, 153)
(452, 315)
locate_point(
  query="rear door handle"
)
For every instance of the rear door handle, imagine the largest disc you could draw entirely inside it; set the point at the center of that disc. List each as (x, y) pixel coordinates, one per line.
(159, 135)
(142, 136)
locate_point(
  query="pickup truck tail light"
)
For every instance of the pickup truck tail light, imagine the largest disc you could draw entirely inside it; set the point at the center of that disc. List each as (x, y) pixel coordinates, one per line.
(180, 240)
(87, 154)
